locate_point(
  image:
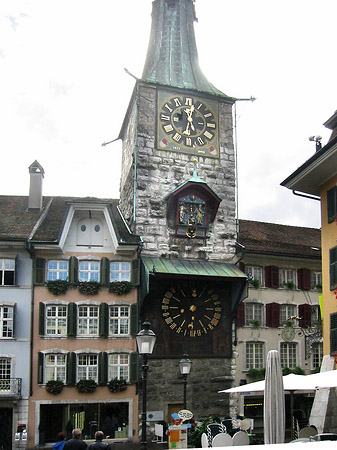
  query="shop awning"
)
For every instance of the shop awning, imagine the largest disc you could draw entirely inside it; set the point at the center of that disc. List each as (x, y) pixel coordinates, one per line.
(178, 268)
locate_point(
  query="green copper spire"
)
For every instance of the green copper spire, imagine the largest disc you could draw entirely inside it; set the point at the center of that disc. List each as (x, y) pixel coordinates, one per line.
(172, 56)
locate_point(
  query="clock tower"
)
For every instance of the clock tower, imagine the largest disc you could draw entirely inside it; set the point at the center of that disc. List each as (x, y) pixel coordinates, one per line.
(177, 192)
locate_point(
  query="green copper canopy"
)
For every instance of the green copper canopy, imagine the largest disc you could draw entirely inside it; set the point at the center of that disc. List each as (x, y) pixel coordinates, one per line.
(172, 57)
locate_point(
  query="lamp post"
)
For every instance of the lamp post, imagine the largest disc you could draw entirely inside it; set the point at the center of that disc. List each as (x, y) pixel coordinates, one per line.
(145, 343)
(185, 367)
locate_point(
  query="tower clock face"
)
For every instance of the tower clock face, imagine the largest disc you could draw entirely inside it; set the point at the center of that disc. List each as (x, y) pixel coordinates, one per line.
(191, 310)
(187, 124)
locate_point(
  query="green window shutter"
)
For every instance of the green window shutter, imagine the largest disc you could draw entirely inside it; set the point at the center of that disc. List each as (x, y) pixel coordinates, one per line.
(71, 368)
(40, 363)
(103, 319)
(135, 272)
(72, 319)
(333, 268)
(331, 202)
(134, 367)
(73, 270)
(134, 319)
(105, 271)
(39, 271)
(42, 313)
(103, 368)
(333, 333)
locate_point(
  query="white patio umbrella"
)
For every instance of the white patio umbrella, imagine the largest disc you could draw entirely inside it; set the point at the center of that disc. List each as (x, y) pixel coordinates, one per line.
(291, 384)
(274, 404)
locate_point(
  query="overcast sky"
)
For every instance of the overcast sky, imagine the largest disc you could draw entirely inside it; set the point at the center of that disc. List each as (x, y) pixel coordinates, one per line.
(64, 91)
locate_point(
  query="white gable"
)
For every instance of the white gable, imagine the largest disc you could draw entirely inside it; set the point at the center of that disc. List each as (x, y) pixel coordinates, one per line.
(88, 227)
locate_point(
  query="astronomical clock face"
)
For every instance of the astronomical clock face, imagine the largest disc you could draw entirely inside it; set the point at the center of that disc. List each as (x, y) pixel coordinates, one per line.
(191, 310)
(187, 124)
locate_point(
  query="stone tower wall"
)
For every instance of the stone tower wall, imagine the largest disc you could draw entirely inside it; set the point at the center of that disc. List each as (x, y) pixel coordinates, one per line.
(159, 172)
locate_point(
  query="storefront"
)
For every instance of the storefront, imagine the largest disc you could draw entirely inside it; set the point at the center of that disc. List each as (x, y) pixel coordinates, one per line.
(113, 418)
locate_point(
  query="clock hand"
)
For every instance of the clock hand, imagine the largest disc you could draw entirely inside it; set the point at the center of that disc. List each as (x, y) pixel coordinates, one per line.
(187, 131)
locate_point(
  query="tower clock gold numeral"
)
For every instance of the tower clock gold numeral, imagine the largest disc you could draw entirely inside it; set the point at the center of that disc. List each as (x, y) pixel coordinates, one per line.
(191, 310)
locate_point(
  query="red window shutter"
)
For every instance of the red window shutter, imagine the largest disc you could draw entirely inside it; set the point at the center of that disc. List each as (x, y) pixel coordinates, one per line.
(305, 315)
(273, 314)
(240, 315)
(271, 277)
(267, 276)
(303, 279)
(242, 266)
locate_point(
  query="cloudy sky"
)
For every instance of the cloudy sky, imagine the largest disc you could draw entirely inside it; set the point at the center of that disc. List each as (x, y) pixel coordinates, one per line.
(64, 91)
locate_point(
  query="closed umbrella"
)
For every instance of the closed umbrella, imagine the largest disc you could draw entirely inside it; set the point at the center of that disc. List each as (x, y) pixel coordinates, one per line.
(274, 405)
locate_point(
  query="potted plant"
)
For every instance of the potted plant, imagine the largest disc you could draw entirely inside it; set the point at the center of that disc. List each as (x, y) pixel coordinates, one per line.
(255, 323)
(117, 385)
(120, 287)
(257, 374)
(289, 285)
(255, 283)
(89, 287)
(86, 386)
(57, 287)
(54, 386)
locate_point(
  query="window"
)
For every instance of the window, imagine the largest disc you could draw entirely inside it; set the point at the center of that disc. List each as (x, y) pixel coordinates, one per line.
(56, 320)
(120, 271)
(315, 315)
(288, 354)
(253, 314)
(119, 320)
(317, 355)
(254, 355)
(57, 270)
(316, 280)
(87, 367)
(6, 321)
(55, 367)
(118, 366)
(88, 271)
(5, 374)
(255, 273)
(333, 268)
(333, 333)
(87, 321)
(287, 311)
(287, 276)
(7, 272)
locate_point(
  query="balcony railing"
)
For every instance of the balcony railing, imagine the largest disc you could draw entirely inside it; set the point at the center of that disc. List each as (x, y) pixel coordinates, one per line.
(10, 387)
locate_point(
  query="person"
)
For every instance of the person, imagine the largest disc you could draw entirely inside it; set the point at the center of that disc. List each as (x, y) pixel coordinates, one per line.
(76, 442)
(60, 443)
(110, 424)
(99, 436)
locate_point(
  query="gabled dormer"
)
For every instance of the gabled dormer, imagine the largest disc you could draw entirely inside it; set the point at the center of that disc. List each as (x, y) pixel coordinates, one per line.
(84, 226)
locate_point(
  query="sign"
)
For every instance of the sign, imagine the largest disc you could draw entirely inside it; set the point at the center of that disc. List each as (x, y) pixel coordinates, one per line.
(185, 414)
(177, 436)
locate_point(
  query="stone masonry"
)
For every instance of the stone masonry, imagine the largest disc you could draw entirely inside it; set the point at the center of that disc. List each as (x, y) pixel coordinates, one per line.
(159, 172)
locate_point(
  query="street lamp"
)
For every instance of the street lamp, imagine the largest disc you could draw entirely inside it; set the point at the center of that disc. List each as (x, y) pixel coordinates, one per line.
(145, 343)
(185, 367)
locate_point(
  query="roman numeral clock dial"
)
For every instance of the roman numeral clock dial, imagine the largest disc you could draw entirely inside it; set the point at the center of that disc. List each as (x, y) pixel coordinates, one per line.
(187, 124)
(191, 311)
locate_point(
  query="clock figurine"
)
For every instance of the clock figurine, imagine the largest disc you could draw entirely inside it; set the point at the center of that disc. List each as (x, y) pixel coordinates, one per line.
(191, 310)
(188, 124)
